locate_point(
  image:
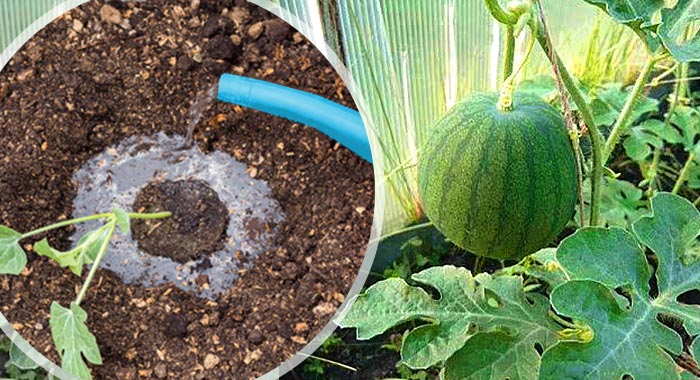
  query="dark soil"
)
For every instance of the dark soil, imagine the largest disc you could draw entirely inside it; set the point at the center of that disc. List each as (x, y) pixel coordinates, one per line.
(87, 82)
(197, 226)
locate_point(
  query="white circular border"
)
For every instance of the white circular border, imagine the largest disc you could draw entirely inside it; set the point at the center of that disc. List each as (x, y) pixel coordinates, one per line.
(313, 34)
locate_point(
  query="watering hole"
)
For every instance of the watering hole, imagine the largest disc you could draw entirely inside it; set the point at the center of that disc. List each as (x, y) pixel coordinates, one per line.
(222, 218)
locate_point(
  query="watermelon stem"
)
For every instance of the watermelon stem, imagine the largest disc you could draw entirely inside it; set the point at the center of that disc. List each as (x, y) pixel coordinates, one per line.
(623, 121)
(505, 101)
(502, 15)
(509, 52)
(678, 91)
(597, 140)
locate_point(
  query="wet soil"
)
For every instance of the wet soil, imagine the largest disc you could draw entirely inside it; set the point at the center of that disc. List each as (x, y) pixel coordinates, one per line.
(197, 226)
(92, 79)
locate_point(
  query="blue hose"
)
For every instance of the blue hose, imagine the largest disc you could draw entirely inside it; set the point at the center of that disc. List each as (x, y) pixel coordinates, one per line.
(338, 122)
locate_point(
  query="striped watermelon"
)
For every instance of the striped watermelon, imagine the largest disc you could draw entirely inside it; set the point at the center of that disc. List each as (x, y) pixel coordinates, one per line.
(500, 184)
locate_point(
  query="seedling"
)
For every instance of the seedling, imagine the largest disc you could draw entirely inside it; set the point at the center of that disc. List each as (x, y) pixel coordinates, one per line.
(74, 342)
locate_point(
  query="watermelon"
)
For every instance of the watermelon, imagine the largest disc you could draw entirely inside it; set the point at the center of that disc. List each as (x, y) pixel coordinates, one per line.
(499, 183)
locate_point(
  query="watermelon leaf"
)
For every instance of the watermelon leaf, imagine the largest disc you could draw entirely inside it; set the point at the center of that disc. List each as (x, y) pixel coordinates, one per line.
(12, 257)
(629, 12)
(680, 30)
(687, 121)
(84, 252)
(639, 15)
(651, 133)
(73, 340)
(621, 202)
(611, 292)
(123, 220)
(467, 304)
(21, 360)
(610, 99)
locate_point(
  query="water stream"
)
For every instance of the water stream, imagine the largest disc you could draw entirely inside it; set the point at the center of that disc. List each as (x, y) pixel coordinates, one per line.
(200, 105)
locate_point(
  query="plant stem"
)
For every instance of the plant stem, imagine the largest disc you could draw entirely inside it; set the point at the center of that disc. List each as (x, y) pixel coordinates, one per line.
(65, 223)
(677, 90)
(505, 101)
(509, 53)
(623, 120)
(653, 170)
(337, 364)
(155, 215)
(479, 262)
(93, 269)
(684, 173)
(587, 116)
(501, 14)
(132, 215)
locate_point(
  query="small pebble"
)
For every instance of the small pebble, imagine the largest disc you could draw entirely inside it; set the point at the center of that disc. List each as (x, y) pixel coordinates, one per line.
(256, 30)
(211, 361)
(110, 14)
(77, 25)
(161, 371)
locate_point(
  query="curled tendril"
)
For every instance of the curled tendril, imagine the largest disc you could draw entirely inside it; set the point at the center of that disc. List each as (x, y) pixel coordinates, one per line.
(510, 15)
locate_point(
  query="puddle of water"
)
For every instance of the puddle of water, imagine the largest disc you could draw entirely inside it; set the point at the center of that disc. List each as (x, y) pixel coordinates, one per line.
(114, 177)
(203, 101)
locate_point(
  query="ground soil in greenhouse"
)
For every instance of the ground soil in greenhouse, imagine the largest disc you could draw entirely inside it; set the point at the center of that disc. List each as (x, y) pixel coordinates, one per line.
(95, 77)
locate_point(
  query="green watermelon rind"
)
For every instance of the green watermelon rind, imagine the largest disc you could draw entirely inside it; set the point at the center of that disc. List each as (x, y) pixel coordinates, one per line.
(500, 184)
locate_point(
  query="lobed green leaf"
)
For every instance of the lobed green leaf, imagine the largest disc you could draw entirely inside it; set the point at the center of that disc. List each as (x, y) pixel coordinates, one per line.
(639, 15)
(687, 121)
(610, 99)
(611, 293)
(680, 30)
(73, 340)
(466, 305)
(85, 252)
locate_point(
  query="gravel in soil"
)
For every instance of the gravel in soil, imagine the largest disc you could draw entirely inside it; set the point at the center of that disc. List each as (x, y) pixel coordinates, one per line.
(110, 70)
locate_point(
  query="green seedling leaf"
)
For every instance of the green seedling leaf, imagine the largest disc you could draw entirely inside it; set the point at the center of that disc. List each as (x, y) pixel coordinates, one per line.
(12, 257)
(73, 340)
(610, 99)
(20, 360)
(85, 251)
(611, 293)
(679, 30)
(123, 220)
(466, 305)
